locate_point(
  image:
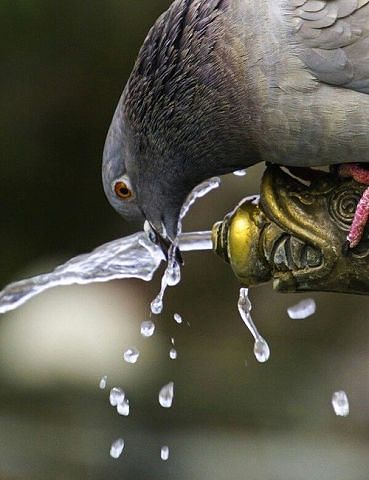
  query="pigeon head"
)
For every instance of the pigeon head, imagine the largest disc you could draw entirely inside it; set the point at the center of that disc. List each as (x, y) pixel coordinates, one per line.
(180, 120)
(136, 180)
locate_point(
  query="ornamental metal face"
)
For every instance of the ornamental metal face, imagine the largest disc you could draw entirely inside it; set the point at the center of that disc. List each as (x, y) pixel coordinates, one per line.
(294, 235)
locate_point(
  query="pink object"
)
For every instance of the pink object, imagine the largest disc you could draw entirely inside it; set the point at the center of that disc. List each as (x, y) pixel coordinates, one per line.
(361, 175)
(355, 171)
(360, 219)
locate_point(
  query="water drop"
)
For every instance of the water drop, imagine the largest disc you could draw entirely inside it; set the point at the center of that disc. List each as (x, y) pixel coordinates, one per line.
(164, 454)
(103, 381)
(166, 395)
(173, 273)
(116, 396)
(157, 305)
(240, 173)
(303, 309)
(173, 354)
(147, 328)
(131, 355)
(340, 403)
(261, 348)
(123, 408)
(117, 448)
(177, 317)
(172, 341)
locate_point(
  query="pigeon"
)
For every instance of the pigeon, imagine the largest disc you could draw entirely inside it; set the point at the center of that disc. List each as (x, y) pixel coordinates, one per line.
(220, 85)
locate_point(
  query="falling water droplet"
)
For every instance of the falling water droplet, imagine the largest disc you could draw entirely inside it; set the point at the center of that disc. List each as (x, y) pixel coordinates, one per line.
(157, 303)
(240, 173)
(166, 395)
(147, 328)
(116, 396)
(302, 310)
(103, 381)
(172, 341)
(131, 355)
(173, 273)
(261, 348)
(123, 408)
(164, 454)
(177, 317)
(173, 354)
(340, 403)
(117, 448)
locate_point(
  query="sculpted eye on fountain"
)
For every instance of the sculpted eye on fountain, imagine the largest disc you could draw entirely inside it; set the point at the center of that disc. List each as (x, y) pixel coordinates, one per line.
(294, 235)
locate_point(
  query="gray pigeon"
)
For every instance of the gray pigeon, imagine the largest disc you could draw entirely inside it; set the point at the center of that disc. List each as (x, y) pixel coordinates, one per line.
(220, 85)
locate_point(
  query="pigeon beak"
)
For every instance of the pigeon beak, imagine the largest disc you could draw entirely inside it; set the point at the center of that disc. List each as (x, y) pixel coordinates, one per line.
(160, 237)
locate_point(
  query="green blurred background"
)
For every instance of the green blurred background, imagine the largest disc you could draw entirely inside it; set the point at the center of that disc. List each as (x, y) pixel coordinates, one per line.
(63, 67)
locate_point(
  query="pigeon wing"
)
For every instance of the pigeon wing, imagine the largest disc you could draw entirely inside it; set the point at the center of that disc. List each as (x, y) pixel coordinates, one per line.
(332, 37)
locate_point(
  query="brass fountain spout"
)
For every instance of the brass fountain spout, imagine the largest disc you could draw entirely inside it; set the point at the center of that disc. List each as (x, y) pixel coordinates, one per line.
(294, 234)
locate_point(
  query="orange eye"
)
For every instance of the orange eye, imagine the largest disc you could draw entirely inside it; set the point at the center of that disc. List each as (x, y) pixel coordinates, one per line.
(122, 191)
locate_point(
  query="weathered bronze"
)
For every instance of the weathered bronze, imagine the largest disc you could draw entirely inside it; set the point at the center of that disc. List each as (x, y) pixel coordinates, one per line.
(294, 235)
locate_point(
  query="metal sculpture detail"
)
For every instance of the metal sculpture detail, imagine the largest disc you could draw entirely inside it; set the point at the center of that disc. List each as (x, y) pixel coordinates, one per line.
(294, 235)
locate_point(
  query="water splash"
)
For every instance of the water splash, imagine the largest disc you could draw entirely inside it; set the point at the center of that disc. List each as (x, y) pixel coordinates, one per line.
(261, 348)
(117, 448)
(131, 355)
(340, 404)
(166, 395)
(302, 310)
(147, 328)
(103, 382)
(116, 396)
(134, 256)
(173, 354)
(164, 453)
(123, 408)
(172, 274)
(177, 317)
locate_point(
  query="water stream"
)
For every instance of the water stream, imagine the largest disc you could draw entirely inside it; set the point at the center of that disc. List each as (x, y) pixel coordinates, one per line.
(172, 274)
(134, 256)
(261, 348)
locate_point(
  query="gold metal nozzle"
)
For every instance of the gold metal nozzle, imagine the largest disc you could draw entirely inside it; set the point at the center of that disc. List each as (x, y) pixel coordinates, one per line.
(294, 235)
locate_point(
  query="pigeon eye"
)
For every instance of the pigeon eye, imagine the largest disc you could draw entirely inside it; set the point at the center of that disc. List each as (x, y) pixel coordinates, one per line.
(122, 191)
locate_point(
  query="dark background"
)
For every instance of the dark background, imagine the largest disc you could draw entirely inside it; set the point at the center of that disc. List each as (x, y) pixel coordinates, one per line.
(63, 67)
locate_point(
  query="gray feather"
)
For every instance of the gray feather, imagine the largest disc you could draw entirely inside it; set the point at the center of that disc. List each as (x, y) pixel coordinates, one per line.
(333, 35)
